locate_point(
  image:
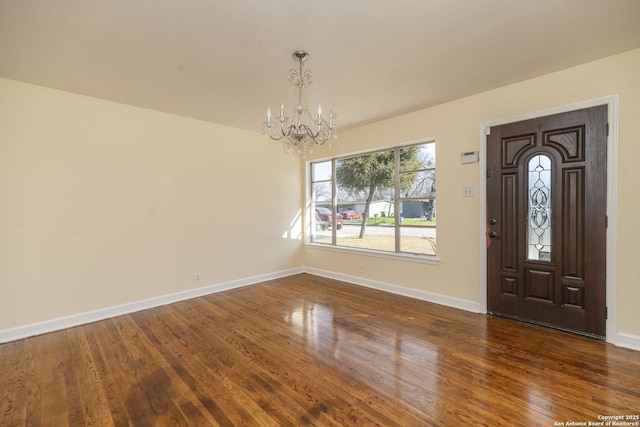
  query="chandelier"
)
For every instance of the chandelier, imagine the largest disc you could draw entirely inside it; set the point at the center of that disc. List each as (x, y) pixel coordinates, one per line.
(300, 132)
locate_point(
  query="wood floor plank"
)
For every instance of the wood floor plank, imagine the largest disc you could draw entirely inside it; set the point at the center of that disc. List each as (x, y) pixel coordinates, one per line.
(150, 398)
(90, 404)
(256, 380)
(266, 342)
(331, 374)
(51, 353)
(306, 350)
(214, 398)
(16, 389)
(208, 365)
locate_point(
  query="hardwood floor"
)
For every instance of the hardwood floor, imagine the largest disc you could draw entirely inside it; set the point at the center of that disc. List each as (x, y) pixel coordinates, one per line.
(306, 350)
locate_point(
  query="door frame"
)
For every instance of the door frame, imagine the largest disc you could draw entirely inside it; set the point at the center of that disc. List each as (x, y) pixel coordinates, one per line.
(612, 103)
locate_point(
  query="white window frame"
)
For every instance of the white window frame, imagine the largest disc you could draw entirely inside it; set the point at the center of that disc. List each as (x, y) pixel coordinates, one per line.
(333, 247)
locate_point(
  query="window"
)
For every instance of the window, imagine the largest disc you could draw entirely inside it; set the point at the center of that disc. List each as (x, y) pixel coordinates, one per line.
(381, 201)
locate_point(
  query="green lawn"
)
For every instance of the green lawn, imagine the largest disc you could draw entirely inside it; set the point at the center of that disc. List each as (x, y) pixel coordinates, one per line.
(387, 220)
(411, 244)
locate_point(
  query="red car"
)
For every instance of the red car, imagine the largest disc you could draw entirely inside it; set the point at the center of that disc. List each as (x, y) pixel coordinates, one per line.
(351, 215)
(324, 215)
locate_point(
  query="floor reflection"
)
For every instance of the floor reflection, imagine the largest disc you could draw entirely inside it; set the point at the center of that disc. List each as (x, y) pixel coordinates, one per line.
(394, 357)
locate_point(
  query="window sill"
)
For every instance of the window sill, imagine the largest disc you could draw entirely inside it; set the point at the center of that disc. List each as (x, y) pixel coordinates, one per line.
(423, 259)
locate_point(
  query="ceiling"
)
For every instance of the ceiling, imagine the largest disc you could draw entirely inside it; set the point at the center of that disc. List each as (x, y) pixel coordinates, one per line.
(227, 61)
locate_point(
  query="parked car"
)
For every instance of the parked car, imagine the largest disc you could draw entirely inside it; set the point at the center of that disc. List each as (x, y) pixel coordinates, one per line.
(324, 215)
(351, 214)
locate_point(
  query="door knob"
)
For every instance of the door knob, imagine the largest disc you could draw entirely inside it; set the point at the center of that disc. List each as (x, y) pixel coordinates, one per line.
(493, 234)
(492, 221)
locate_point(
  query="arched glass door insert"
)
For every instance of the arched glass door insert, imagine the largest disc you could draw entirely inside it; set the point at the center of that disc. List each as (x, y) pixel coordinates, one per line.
(539, 208)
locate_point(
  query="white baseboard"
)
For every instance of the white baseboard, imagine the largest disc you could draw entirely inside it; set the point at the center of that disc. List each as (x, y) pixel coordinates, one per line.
(33, 329)
(628, 340)
(623, 339)
(459, 303)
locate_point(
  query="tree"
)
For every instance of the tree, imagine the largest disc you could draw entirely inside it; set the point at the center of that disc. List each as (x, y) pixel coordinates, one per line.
(365, 175)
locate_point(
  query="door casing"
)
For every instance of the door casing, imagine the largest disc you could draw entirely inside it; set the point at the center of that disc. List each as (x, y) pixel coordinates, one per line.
(612, 200)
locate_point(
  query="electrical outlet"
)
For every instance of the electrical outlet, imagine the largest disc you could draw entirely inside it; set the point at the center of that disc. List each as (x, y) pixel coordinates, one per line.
(467, 191)
(196, 278)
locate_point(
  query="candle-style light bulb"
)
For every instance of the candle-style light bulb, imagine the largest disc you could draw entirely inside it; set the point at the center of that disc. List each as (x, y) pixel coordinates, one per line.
(268, 115)
(319, 111)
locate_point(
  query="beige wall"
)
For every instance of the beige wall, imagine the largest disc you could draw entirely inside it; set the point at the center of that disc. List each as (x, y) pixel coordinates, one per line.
(455, 126)
(104, 204)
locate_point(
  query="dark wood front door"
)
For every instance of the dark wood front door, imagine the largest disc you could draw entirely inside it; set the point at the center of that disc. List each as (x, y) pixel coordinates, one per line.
(546, 220)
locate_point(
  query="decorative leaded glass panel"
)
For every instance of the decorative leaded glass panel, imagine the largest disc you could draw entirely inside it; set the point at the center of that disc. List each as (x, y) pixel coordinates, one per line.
(539, 208)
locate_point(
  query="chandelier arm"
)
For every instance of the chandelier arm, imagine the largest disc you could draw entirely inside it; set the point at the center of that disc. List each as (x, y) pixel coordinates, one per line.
(317, 140)
(310, 132)
(269, 125)
(276, 138)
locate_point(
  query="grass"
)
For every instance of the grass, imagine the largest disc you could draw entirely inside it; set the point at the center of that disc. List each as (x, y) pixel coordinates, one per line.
(389, 220)
(412, 244)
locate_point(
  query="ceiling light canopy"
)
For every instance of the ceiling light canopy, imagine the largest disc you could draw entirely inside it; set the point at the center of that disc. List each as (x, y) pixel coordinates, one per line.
(300, 132)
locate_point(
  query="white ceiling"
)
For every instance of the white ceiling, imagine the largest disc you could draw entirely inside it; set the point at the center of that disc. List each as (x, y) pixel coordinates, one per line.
(227, 61)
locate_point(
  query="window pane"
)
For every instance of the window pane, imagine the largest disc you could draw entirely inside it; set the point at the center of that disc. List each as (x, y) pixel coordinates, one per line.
(322, 222)
(418, 184)
(539, 208)
(321, 171)
(378, 233)
(366, 182)
(418, 157)
(321, 192)
(417, 240)
(418, 213)
(365, 186)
